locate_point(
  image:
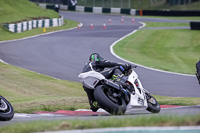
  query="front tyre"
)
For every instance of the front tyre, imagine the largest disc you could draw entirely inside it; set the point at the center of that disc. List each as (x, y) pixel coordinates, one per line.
(153, 105)
(108, 101)
(6, 110)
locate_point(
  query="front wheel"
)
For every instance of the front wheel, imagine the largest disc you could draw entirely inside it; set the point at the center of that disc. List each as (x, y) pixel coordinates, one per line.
(107, 100)
(153, 105)
(6, 110)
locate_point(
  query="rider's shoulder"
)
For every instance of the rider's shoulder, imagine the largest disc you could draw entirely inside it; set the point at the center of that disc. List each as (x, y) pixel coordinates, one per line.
(87, 63)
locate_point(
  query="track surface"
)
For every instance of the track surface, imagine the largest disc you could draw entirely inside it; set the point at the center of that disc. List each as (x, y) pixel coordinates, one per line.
(63, 54)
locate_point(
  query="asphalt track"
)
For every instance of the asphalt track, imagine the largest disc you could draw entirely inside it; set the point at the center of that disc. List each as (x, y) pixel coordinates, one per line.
(63, 54)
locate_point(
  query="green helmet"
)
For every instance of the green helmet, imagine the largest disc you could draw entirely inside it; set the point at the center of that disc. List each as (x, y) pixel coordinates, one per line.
(95, 57)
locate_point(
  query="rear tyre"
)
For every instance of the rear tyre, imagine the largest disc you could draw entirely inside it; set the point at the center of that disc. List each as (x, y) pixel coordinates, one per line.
(106, 100)
(153, 105)
(6, 110)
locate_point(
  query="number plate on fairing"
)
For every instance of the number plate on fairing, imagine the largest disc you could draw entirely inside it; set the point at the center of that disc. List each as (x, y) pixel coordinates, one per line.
(140, 101)
(137, 101)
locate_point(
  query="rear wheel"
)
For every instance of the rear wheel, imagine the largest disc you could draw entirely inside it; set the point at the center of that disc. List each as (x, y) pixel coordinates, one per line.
(153, 105)
(108, 100)
(6, 110)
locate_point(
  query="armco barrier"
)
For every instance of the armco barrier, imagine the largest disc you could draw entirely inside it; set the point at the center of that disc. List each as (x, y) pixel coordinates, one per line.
(195, 25)
(133, 12)
(28, 25)
(106, 10)
(126, 11)
(43, 5)
(50, 7)
(97, 9)
(71, 8)
(88, 9)
(115, 10)
(80, 8)
(64, 7)
(93, 9)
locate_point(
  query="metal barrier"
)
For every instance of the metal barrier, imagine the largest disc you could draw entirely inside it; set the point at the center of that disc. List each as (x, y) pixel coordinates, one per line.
(90, 3)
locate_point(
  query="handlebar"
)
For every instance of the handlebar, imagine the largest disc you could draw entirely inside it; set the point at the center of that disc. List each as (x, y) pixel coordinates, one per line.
(133, 66)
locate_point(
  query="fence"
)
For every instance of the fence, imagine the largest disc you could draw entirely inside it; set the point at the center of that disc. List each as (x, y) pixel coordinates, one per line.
(124, 4)
(105, 3)
(91, 3)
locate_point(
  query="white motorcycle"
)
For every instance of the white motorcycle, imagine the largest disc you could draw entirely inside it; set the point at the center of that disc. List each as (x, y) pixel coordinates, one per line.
(113, 97)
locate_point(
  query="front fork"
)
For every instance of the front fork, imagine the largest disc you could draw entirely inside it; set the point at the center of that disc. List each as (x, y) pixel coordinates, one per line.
(122, 92)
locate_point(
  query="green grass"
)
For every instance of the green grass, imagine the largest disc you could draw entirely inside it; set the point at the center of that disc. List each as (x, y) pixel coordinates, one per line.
(182, 101)
(12, 11)
(153, 120)
(29, 92)
(158, 24)
(174, 18)
(174, 50)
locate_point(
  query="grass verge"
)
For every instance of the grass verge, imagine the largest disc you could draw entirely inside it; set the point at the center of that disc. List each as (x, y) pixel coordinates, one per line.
(175, 50)
(174, 18)
(153, 120)
(12, 11)
(182, 101)
(29, 92)
(158, 24)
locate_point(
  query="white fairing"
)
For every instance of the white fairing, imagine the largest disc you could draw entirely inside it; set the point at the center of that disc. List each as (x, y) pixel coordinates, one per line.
(91, 78)
(138, 100)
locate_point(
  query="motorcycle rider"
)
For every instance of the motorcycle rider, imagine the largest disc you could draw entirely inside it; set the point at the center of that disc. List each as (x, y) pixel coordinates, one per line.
(97, 63)
(198, 70)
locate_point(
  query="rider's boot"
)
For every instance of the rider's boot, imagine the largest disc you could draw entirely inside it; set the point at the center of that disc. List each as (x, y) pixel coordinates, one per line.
(94, 106)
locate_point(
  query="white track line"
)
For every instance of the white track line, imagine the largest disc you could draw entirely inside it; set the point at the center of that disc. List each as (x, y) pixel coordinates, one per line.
(3, 62)
(179, 107)
(132, 129)
(112, 52)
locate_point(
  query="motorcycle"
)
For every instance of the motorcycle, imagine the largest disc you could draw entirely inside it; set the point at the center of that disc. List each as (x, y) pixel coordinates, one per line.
(198, 71)
(116, 99)
(6, 110)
